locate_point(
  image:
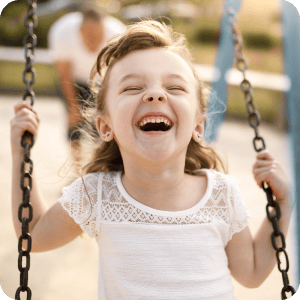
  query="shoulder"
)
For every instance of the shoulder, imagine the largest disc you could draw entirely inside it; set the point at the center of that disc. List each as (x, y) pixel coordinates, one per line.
(226, 184)
(222, 179)
(95, 181)
(86, 183)
(227, 188)
(66, 24)
(113, 25)
(80, 201)
(90, 179)
(71, 19)
(83, 190)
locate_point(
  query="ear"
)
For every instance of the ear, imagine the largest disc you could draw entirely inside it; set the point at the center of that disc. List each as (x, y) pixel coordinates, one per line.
(198, 131)
(104, 128)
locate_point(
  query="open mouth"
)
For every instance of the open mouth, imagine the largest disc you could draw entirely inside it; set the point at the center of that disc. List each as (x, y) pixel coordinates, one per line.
(155, 123)
(155, 127)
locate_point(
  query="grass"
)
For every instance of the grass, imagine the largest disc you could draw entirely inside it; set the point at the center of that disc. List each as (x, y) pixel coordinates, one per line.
(265, 60)
(11, 77)
(268, 103)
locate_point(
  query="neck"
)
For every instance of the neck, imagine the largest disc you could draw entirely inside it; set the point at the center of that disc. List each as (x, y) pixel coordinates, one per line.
(155, 185)
(152, 177)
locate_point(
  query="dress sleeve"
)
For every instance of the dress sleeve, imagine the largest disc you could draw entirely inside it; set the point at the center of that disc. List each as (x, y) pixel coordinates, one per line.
(80, 200)
(239, 212)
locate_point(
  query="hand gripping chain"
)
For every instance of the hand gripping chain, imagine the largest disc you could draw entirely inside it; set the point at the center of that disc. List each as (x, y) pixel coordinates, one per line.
(259, 145)
(30, 41)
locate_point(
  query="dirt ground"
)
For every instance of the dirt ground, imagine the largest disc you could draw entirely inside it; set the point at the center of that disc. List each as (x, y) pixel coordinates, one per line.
(70, 272)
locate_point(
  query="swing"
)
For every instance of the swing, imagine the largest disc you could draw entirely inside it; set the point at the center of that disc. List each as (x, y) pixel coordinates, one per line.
(28, 76)
(30, 41)
(254, 121)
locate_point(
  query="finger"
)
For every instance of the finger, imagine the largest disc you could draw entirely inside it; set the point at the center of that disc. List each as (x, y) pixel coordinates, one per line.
(262, 163)
(24, 111)
(264, 155)
(262, 177)
(25, 122)
(258, 171)
(29, 127)
(20, 105)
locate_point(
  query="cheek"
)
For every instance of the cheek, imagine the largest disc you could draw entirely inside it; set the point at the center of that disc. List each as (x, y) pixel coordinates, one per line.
(122, 116)
(186, 110)
(187, 113)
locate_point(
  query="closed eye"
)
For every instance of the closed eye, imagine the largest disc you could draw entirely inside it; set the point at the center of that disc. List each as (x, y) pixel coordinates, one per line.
(176, 88)
(132, 88)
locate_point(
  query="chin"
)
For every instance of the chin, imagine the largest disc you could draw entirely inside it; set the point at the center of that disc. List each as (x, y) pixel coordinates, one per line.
(157, 155)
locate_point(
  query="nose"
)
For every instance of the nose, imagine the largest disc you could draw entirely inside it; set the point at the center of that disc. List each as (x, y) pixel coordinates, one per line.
(155, 95)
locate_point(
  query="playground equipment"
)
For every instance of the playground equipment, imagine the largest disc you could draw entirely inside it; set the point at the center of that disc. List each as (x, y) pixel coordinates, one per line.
(229, 30)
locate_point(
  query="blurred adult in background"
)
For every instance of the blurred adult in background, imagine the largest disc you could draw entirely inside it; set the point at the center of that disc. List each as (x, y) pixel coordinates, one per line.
(75, 41)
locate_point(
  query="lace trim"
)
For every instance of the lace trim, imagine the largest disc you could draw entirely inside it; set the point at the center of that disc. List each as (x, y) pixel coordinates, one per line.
(80, 201)
(115, 208)
(225, 204)
(240, 213)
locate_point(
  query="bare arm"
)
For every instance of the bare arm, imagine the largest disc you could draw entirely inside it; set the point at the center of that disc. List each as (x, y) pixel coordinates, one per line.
(252, 260)
(51, 228)
(69, 90)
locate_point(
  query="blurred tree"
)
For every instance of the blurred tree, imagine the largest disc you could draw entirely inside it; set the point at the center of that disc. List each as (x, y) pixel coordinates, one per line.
(12, 28)
(11, 23)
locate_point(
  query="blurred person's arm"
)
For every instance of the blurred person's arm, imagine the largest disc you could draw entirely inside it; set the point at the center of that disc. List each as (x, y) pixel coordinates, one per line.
(61, 48)
(69, 90)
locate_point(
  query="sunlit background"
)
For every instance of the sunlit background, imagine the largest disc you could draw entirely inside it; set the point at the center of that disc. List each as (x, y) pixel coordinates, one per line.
(260, 22)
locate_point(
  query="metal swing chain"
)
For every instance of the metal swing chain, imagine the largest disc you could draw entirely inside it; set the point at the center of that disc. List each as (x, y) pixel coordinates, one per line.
(259, 145)
(27, 141)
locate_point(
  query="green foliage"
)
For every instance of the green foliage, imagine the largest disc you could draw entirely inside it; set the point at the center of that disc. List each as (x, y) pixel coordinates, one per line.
(192, 29)
(259, 40)
(266, 101)
(11, 78)
(207, 36)
(252, 40)
(11, 24)
(13, 30)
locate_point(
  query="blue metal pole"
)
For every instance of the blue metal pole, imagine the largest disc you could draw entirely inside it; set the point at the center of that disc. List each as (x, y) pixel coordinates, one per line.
(224, 60)
(291, 35)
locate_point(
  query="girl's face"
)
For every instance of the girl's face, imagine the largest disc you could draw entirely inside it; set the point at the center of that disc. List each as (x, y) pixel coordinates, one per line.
(152, 106)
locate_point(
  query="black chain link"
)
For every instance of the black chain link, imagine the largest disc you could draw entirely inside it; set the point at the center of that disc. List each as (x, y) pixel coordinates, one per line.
(273, 209)
(25, 213)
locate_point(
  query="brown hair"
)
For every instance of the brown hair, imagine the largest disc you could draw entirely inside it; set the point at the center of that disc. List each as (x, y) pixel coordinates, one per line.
(145, 35)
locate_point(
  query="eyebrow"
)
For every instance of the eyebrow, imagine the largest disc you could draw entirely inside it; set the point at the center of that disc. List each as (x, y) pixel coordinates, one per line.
(134, 75)
(129, 76)
(176, 76)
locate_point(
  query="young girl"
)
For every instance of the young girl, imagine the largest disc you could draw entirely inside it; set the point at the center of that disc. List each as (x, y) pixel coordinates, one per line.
(169, 225)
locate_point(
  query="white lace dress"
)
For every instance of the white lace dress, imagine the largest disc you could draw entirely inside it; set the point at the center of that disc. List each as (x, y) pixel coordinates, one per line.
(150, 254)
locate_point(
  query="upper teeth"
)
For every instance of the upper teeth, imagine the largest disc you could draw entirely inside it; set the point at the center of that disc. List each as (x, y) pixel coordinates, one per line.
(152, 119)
